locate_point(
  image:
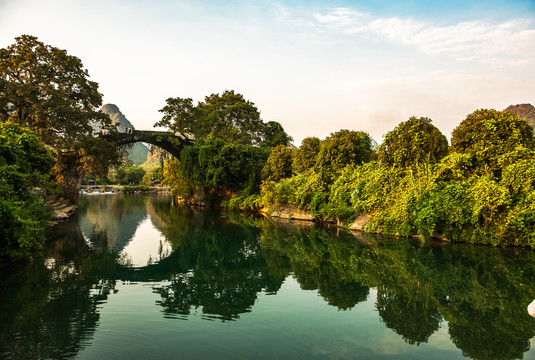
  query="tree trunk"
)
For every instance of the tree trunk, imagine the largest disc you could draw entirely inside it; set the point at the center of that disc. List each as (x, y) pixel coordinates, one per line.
(69, 174)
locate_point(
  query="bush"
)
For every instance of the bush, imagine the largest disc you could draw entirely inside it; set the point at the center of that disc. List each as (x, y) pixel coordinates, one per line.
(25, 163)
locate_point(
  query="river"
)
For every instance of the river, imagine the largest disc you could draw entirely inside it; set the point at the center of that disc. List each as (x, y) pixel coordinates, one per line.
(138, 277)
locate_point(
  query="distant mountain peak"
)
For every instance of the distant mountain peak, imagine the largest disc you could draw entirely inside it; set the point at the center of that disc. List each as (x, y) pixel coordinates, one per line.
(139, 151)
(110, 109)
(523, 111)
(117, 117)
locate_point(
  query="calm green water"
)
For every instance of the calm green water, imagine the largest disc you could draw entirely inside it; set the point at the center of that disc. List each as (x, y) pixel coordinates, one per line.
(134, 277)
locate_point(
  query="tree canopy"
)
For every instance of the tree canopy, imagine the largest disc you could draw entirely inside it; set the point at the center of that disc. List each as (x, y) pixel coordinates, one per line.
(279, 164)
(305, 156)
(413, 141)
(45, 89)
(227, 116)
(275, 135)
(344, 148)
(488, 135)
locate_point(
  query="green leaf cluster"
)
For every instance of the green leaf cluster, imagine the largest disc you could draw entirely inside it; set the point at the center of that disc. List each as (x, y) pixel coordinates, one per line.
(231, 147)
(344, 148)
(279, 164)
(493, 138)
(24, 166)
(220, 169)
(305, 156)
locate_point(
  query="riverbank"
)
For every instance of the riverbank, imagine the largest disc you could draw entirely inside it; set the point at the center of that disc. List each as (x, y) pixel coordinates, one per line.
(62, 209)
(360, 224)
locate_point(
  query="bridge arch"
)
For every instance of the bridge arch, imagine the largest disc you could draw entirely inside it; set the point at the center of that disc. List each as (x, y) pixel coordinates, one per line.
(164, 139)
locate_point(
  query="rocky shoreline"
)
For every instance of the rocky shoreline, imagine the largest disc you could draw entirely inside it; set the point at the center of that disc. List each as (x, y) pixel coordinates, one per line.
(62, 209)
(360, 224)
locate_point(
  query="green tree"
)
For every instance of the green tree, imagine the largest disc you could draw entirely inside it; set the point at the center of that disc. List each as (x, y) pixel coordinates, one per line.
(130, 174)
(47, 90)
(343, 148)
(413, 141)
(172, 176)
(491, 136)
(24, 165)
(275, 135)
(279, 164)
(305, 156)
(227, 116)
(220, 169)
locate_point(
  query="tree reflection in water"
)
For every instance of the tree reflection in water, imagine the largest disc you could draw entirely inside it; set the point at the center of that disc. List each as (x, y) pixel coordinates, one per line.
(413, 319)
(50, 307)
(221, 262)
(222, 268)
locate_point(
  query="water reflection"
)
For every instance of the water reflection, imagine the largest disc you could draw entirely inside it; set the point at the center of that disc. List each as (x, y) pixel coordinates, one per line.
(215, 266)
(49, 309)
(126, 225)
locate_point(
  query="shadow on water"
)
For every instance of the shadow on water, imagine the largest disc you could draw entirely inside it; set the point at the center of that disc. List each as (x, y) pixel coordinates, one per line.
(220, 263)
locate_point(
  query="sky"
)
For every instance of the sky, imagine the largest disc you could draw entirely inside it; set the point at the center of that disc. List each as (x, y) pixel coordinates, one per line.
(314, 66)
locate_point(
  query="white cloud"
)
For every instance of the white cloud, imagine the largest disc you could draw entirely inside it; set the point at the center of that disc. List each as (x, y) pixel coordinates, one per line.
(501, 44)
(342, 20)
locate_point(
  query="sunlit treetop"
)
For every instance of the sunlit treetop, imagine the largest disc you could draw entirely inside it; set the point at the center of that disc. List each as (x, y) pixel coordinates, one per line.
(489, 135)
(49, 91)
(227, 116)
(413, 141)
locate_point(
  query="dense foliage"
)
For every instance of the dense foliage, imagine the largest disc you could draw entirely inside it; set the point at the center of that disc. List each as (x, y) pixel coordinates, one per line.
(416, 140)
(227, 116)
(274, 135)
(24, 165)
(305, 156)
(215, 170)
(231, 147)
(483, 192)
(344, 148)
(493, 138)
(47, 90)
(279, 164)
(131, 175)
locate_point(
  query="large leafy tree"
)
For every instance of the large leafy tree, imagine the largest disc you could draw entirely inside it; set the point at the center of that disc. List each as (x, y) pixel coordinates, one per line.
(24, 165)
(305, 156)
(279, 164)
(493, 138)
(227, 116)
(216, 169)
(343, 148)
(274, 135)
(45, 89)
(413, 141)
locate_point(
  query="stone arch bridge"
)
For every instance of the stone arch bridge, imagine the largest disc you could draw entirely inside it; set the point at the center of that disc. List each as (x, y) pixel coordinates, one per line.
(164, 139)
